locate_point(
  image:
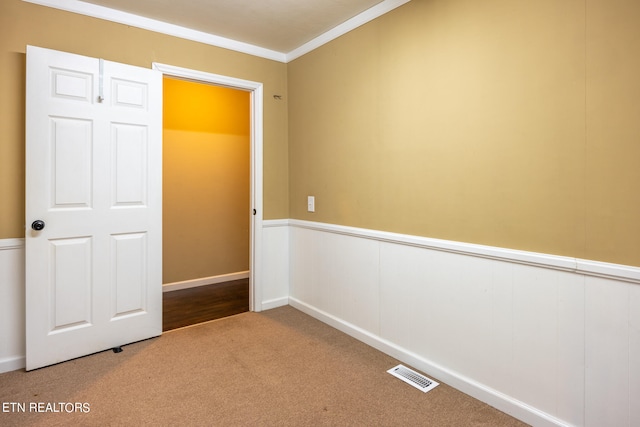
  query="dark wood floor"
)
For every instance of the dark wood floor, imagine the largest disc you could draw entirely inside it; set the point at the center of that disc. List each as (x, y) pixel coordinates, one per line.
(203, 303)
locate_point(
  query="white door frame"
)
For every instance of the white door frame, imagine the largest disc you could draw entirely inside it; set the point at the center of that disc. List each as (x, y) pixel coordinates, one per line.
(255, 255)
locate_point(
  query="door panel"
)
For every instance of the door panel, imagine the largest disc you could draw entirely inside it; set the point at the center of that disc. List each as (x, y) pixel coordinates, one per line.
(129, 174)
(71, 282)
(71, 146)
(72, 85)
(94, 273)
(129, 285)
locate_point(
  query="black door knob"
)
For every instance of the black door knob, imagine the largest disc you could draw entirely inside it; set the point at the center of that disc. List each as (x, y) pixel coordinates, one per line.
(37, 225)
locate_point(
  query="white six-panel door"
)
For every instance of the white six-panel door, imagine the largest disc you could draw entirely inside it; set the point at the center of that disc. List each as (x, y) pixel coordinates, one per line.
(93, 176)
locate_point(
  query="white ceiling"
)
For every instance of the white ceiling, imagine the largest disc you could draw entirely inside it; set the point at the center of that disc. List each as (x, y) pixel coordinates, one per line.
(280, 25)
(275, 29)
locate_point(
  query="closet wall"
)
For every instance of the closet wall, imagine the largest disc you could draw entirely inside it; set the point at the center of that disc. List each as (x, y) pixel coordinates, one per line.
(206, 195)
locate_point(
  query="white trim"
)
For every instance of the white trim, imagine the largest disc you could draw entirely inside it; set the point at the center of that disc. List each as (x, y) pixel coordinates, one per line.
(273, 223)
(507, 404)
(204, 281)
(113, 15)
(353, 23)
(12, 364)
(256, 89)
(608, 270)
(275, 303)
(204, 76)
(7, 244)
(555, 262)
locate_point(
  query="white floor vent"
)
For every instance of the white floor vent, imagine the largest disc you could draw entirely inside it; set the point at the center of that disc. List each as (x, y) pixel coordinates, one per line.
(413, 378)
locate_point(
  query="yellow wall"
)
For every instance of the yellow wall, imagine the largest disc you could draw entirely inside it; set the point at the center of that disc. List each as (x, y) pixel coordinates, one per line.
(25, 23)
(498, 122)
(507, 123)
(206, 189)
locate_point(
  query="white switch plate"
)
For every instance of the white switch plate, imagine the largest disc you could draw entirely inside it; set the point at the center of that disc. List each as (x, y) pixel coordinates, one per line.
(311, 204)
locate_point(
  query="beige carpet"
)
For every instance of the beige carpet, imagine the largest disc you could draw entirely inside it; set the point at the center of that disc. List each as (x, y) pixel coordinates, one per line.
(275, 368)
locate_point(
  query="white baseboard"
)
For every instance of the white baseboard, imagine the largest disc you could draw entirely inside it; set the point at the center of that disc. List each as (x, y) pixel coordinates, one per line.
(275, 303)
(485, 394)
(12, 364)
(176, 286)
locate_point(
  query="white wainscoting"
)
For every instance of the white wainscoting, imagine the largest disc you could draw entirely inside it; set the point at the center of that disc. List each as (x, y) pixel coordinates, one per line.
(12, 321)
(550, 340)
(274, 288)
(275, 263)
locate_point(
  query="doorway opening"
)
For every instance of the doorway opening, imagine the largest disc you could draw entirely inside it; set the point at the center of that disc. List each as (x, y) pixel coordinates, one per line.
(212, 181)
(206, 141)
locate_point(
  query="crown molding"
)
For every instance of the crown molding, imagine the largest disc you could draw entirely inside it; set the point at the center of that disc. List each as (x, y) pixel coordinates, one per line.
(137, 21)
(353, 23)
(101, 12)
